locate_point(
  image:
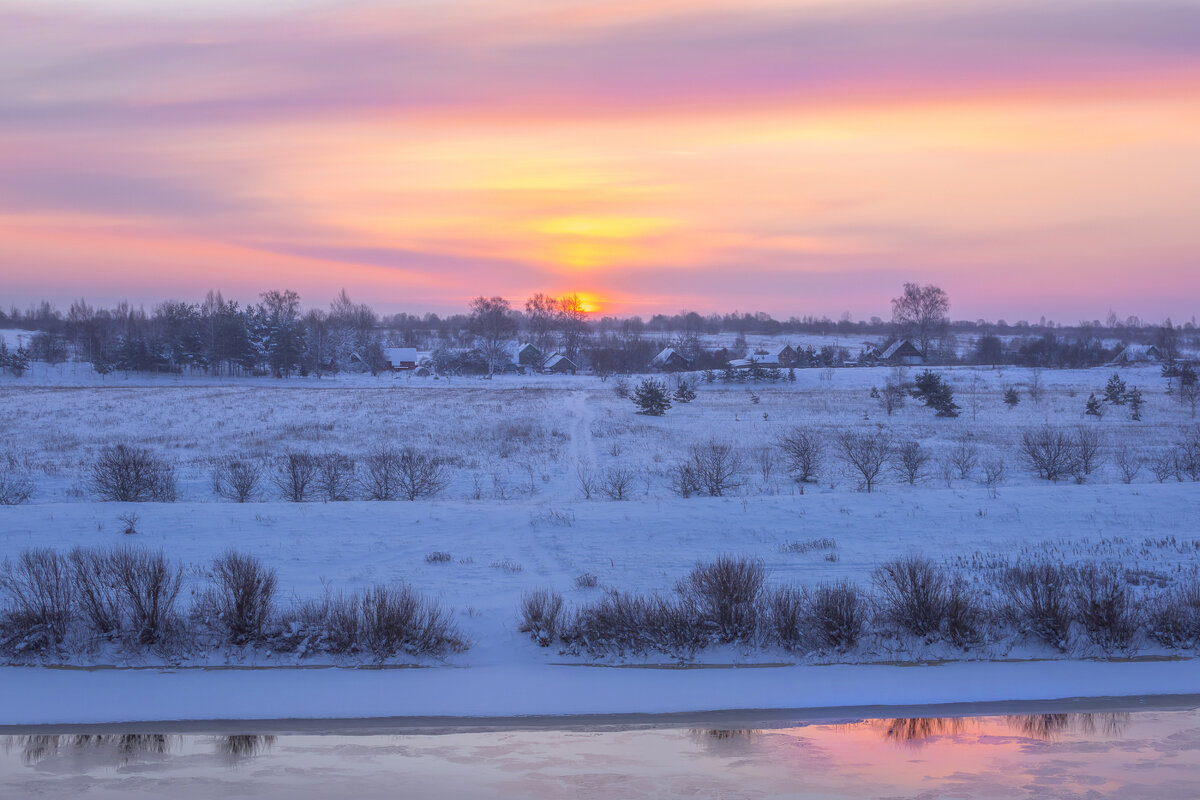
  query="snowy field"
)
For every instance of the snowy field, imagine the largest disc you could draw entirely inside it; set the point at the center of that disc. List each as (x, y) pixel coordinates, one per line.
(514, 518)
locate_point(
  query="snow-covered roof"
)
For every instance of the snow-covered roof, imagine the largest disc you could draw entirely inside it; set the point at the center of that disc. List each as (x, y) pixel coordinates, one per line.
(665, 356)
(400, 355)
(778, 349)
(557, 359)
(894, 346)
(1138, 352)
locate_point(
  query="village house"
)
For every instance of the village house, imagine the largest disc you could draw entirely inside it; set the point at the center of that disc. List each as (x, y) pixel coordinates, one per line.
(670, 360)
(399, 359)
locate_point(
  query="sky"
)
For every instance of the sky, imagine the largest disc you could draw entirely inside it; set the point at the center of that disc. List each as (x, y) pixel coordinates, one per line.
(804, 157)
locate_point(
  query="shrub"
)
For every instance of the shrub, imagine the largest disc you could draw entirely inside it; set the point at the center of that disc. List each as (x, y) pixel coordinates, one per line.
(787, 613)
(294, 476)
(716, 467)
(380, 479)
(1038, 600)
(802, 452)
(420, 475)
(837, 615)
(1128, 462)
(627, 623)
(1049, 453)
(149, 586)
(1103, 603)
(334, 477)
(15, 487)
(726, 594)
(586, 580)
(236, 479)
(1011, 397)
(965, 614)
(617, 483)
(41, 599)
(913, 594)
(242, 596)
(994, 472)
(540, 612)
(437, 557)
(1173, 619)
(126, 474)
(99, 596)
(396, 619)
(683, 479)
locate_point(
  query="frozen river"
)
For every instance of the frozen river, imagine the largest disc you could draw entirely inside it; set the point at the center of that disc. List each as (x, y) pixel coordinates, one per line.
(1120, 749)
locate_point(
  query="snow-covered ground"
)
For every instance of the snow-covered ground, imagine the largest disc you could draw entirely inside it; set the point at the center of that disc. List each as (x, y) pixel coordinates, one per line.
(514, 519)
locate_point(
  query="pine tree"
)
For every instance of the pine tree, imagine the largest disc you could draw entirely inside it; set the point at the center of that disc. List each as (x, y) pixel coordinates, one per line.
(1134, 397)
(1094, 407)
(650, 396)
(1114, 391)
(18, 361)
(936, 394)
(1011, 397)
(684, 393)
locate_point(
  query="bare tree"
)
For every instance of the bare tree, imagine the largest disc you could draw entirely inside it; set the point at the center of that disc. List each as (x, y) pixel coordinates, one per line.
(493, 324)
(802, 451)
(892, 397)
(572, 320)
(1087, 442)
(588, 482)
(964, 457)
(994, 473)
(1129, 462)
(1035, 385)
(865, 454)
(920, 313)
(909, 461)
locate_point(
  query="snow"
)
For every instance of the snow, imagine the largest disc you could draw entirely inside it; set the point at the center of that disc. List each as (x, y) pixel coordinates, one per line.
(513, 519)
(32, 696)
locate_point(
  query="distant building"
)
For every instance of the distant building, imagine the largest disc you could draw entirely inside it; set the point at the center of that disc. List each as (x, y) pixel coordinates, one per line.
(902, 351)
(670, 360)
(400, 358)
(528, 355)
(784, 354)
(1138, 354)
(560, 364)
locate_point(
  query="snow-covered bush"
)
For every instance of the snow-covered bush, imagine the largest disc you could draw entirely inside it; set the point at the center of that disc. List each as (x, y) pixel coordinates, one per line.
(913, 594)
(38, 600)
(540, 612)
(726, 593)
(15, 485)
(837, 615)
(1038, 600)
(396, 619)
(241, 599)
(1103, 602)
(1173, 618)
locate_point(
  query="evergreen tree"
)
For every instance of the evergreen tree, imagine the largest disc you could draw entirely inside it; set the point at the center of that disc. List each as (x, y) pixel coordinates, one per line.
(1011, 397)
(1134, 397)
(650, 396)
(684, 393)
(936, 394)
(1114, 391)
(1094, 406)
(18, 362)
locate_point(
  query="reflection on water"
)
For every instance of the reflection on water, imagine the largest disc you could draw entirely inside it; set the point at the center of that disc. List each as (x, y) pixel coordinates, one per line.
(1096, 755)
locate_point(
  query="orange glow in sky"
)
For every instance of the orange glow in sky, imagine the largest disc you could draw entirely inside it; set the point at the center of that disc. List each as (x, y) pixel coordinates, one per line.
(803, 157)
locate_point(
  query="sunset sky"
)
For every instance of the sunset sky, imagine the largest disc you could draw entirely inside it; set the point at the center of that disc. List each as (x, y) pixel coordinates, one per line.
(800, 157)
